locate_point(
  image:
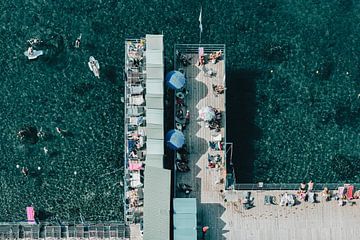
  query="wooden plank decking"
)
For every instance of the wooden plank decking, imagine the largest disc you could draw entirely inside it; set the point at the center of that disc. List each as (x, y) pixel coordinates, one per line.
(229, 220)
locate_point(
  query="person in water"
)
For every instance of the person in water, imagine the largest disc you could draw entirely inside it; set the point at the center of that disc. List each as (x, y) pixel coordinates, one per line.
(25, 171)
(60, 131)
(77, 42)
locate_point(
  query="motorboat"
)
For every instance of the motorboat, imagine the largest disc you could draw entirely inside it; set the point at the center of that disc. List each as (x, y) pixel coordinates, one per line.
(94, 66)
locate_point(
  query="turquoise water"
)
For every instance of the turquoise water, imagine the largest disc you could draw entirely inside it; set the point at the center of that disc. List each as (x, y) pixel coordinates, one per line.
(286, 125)
(297, 81)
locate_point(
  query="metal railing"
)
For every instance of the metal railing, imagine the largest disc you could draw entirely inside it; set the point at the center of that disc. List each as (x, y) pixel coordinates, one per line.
(287, 186)
(110, 230)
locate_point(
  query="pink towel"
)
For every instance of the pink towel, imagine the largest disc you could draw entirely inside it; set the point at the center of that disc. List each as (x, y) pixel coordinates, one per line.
(30, 215)
(135, 166)
(201, 51)
(341, 191)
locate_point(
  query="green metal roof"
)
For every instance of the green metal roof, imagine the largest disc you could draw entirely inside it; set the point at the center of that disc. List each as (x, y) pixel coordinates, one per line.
(157, 203)
(185, 219)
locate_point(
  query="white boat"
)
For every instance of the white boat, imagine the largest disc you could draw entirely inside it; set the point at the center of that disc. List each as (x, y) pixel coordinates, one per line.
(35, 54)
(94, 66)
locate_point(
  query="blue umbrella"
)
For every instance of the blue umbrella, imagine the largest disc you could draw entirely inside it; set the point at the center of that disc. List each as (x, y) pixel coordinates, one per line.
(175, 80)
(175, 139)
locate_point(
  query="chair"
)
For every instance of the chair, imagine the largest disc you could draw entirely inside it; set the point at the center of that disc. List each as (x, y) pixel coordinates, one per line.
(268, 200)
(311, 197)
(349, 192)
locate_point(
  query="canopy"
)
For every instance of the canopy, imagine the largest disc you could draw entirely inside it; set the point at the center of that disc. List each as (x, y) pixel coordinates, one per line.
(175, 80)
(175, 139)
(207, 113)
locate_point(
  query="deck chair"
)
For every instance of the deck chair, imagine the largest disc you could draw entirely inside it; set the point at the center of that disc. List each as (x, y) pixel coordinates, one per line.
(268, 200)
(311, 197)
(341, 191)
(291, 200)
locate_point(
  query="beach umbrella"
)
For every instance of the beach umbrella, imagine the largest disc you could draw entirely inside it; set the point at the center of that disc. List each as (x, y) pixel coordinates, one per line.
(175, 80)
(175, 139)
(207, 113)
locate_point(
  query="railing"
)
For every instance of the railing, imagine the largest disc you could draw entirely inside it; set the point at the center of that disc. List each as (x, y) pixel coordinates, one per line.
(134, 75)
(287, 186)
(110, 230)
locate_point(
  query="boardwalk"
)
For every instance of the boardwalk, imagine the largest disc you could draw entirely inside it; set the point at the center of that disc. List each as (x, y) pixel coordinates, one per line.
(229, 220)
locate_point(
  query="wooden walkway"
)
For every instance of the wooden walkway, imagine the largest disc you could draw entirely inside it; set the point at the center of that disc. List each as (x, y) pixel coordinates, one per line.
(229, 220)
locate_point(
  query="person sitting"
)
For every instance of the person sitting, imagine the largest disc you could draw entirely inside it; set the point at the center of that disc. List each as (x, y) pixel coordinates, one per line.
(30, 51)
(310, 186)
(211, 164)
(212, 57)
(218, 55)
(218, 89)
(180, 114)
(302, 187)
(326, 194)
(302, 191)
(201, 60)
(133, 154)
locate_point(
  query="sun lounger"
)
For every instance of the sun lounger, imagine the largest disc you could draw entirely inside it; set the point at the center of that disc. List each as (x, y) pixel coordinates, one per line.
(341, 191)
(136, 100)
(291, 200)
(311, 197)
(135, 180)
(268, 200)
(30, 212)
(135, 111)
(136, 89)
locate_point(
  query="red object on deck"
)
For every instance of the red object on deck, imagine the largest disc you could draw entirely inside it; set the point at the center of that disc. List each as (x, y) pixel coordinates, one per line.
(30, 215)
(349, 192)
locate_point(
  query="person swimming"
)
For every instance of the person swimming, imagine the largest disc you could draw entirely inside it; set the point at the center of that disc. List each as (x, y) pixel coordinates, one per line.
(60, 131)
(25, 171)
(77, 41)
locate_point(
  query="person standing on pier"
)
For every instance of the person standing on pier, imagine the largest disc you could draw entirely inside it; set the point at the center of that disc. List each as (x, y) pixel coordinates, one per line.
(204, 231)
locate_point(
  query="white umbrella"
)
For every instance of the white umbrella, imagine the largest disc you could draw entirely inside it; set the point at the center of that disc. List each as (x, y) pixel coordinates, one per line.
(207, 113)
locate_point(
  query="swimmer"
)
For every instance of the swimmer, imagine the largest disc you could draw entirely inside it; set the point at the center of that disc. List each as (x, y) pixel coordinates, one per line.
(25, 171)
(41, 133)
(46, 150)
(34, 41)
(21, 134)
(77, 41)
(62, 132)
(59, 130)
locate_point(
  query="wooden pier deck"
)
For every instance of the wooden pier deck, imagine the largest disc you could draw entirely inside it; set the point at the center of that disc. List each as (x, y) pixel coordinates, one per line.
(229, 220)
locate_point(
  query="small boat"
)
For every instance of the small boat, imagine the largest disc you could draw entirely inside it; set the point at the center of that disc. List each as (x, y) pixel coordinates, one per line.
(34, 54)
(94, 66)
